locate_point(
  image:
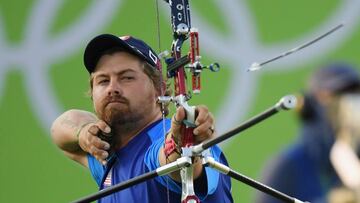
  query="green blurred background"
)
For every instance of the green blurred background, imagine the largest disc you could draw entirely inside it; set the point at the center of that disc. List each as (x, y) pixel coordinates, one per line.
(32, 169)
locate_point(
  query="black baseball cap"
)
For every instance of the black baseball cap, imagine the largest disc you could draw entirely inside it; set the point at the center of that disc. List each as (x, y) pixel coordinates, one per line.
(98, 45)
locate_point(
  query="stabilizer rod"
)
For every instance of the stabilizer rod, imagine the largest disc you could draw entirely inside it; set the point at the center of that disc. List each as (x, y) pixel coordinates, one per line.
(285, 103)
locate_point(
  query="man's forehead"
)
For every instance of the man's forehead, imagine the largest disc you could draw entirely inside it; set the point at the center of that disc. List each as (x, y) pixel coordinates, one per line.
(118, 58)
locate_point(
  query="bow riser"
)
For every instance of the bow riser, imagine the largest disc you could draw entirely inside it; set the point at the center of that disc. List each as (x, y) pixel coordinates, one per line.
(180, 19)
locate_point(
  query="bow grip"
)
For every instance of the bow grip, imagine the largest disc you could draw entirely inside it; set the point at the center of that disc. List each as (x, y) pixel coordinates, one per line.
(188, 126)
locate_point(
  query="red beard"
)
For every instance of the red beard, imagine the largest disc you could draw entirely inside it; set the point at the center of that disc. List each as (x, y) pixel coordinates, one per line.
(116, 110)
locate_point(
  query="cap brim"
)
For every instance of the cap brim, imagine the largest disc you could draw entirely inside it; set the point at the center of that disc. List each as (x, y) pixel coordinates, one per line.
(101, 43)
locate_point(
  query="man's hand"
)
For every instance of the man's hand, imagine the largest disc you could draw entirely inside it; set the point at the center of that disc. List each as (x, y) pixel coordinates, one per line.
(204, 130)
(204, 122)
(90, 142)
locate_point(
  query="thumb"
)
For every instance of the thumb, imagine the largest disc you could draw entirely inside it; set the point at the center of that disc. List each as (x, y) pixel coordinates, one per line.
(177, 119)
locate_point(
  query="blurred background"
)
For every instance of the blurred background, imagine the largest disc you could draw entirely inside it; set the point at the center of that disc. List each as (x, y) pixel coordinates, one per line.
(41, 75)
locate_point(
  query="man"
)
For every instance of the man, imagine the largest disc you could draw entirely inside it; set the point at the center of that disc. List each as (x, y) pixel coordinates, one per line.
(304, 170)
(126, 136)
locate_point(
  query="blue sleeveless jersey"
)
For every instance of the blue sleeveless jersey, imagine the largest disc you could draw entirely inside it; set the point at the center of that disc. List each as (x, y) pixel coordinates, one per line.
(139, 156)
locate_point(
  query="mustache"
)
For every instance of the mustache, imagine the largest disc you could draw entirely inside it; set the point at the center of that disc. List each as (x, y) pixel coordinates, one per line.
(115, 98)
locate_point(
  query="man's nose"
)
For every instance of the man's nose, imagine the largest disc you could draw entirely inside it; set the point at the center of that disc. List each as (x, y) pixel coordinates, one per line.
(114, 88)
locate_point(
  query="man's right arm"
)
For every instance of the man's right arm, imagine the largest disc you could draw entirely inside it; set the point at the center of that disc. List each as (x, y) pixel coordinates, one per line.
(74, 132)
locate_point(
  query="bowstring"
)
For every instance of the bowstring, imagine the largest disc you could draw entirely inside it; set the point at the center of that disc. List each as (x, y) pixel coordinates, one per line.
(163, 90)
(158, 25)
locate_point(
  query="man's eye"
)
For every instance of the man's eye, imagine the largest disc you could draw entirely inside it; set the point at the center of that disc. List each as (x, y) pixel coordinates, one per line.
(104, 81)
(128, 78)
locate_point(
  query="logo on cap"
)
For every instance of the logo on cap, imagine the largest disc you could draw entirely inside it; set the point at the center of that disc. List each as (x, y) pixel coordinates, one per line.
(153, 57)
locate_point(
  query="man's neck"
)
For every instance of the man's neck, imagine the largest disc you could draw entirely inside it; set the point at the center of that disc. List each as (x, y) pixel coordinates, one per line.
(126, 132)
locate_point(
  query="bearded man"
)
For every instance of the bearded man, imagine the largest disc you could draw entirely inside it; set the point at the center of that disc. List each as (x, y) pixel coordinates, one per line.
(126, 136)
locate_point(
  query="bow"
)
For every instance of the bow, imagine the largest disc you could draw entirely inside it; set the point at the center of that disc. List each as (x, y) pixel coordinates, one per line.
(176, 65)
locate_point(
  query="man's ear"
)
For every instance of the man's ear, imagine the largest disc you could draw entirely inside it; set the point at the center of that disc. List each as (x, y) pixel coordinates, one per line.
(161, 90)
(163, 86)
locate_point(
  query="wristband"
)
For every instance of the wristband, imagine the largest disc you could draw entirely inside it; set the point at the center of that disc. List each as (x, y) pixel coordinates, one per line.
(171, 146)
